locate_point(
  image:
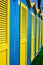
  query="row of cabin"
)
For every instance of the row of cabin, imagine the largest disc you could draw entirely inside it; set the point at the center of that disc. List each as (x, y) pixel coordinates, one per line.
(21, 32)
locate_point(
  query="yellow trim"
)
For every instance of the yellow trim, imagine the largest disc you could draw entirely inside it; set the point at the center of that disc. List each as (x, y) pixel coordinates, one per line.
(22, 5)
(8, 33)
(32, 14)
(32, 4)
(40, 14)
(38, 10)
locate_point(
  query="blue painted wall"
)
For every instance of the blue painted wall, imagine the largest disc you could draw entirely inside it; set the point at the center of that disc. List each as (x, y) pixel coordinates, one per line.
(14, 32)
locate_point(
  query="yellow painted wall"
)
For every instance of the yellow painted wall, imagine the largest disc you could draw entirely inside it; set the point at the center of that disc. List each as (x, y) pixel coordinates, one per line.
(23, 34)
(32, 38)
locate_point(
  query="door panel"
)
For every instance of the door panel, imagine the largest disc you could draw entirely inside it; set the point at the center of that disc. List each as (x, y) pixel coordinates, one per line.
(42, 33)
(32, 38)
(37, 35)
(4, 34)
(23, 53)
(23, 34)
(3, 56)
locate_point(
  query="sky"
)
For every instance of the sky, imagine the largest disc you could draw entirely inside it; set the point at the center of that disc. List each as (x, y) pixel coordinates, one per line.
(37, 4)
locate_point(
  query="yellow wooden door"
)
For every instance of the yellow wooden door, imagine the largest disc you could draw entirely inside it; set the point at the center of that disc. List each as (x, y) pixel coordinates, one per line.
(23, 34)
(4, 32)
(42, 33)
(32, 38)
(37, 35)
